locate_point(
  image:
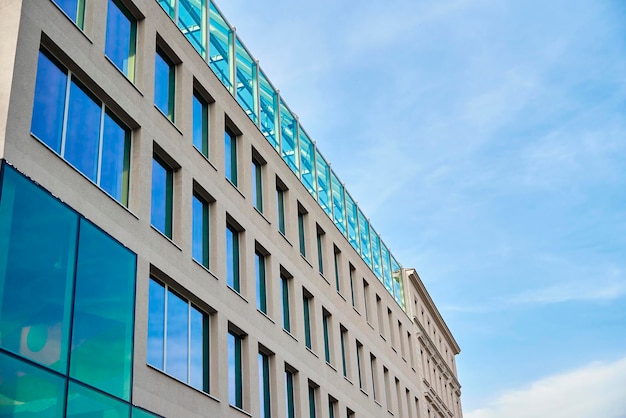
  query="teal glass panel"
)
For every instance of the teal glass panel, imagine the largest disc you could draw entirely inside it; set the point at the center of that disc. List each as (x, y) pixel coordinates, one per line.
(232, 258)
(198, 349)
(49, 104)
(376, 262)
(288, 139)
(285, 303)
(307, 162)
(104, 308)
(398, 287)
(280, 210)
(261, 290)
(220, 47)
(306, 308)
(176, 338)
(353, 222)
(342, 341)
(230, 156)
(37, 258)
(267, 101)
(120, 38)
(301, 234)
(289, 389)
(364, 232)
(82, 136)
(312, 403)
(200, 124)
(141, 413)
(326, 338)
(115, 159)
(323, 183)
(164, 84)
(168, 6)
(246, 81)
(200, 230)
(74, 9)
(384, 253)
(161, 203)
(235, 377)
(339, 213)
(257, 186)
(27, 391)
(156, 325)
(264, 386)
(84, 402)
(192, 22)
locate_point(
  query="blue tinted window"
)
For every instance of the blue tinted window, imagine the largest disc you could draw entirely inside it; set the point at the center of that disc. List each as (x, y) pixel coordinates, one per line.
(75, 9)
(120, 38)
(156, 325)
(192, 22)
(115, 158)
(200, 230)
(161, 208)
(176, 339)
(200, 124)
(290, 402)
(261, 291)
(232, 258)
(164, 85)
(49, 104)
(230, 156)
(285, 303)
(264, 386)
(235, 378)
(169, 6)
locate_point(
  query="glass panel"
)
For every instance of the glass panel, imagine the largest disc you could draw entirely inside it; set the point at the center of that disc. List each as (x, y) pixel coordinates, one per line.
(323, 183)
(364, 231)
(257, 186)
(344, 366)
(235, 389)
(246, 76)
(156, 325)
(307, 320)
(115, 165)
(285, 306)
(164, 85)
(232, 258)
(49, 104)
(84, 402)
(75, 9)
(168, 6)
(200, 124)
(199, 350)
(38, 242)
(267, 100)
(338, 206)
(28, 391)
(261, 291)
(386, 267)
(176, 340)
(82, 135)
(264, 386)
(312, 407)
(280, 210)
(230, 156)
(161, 209)
(291, 411)
(140, 413)
(326, 338)
(301, 237)
(398, 287)
(288, 139)
(307, 162)
(102, 333)
(220, 43)
(191, 21)
(200, 231)
(376, 263)
(120, 38)
(353, 225)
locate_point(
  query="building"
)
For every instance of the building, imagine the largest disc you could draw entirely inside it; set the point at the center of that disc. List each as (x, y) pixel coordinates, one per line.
(172, 242)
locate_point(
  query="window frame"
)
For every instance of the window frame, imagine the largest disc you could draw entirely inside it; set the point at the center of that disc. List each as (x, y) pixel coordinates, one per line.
(132, 42)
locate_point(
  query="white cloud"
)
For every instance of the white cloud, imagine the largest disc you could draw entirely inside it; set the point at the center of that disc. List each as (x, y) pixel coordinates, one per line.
(596, 390)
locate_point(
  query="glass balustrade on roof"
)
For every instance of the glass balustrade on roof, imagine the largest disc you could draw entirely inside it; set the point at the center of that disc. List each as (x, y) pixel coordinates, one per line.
(239, 72)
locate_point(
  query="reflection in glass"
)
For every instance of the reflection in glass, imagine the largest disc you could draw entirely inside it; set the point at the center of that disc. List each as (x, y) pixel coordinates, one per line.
(176, 339)
(75, 9)
(164, 84)
(200, 230)
(168, 6)
(232, 258)
(384, 252)
(120, 37)
(235, 387)
(85, 402)
(285, 305)
(307, 163)
(338, 206)
(220, 47)
(257, 186)
(364, 231)
(261, 291)
(264, 386)
(191, 21)
(156, 325)
(246, 81)
(267, 100)
(115, 159)
(200, 124)
(353, 226)
(376, 262)
(288, 138)
(289, 395)
(161, 203)
(323, 183)
(230, 156)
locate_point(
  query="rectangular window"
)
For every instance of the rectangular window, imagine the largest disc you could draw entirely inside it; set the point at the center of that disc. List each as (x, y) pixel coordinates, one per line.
(261, 289)
(312, 400)
(232, 258)
(289, 394)
(366, 295)
(336, 257)
(162, 196)
(178, 337)
(284, 281)
(306, 308)
(230, 156)
(373, 372)
(121, 38)
(200, 129)
(71, 121)
(320, 251)
(74, 9)
(235, 375)
(349, 413)
(265, 399)
(342, 341)
(280, 209)
(332, 406)
(359, 355)
(352, 298)
(326, 331)
(302, 231)
(164, 84)
(200, 230)
(257, 185)
(387, 384)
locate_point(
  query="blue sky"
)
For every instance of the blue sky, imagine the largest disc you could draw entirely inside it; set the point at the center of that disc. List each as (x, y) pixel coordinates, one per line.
(486, 140)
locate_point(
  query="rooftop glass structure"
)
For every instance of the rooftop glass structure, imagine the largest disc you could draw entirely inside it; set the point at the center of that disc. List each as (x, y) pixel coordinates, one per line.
(215, 39)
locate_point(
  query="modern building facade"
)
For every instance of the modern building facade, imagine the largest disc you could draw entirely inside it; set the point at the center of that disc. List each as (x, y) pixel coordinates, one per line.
(173, 243)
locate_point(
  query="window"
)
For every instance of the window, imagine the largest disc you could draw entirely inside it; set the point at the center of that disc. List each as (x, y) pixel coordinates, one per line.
(301, 230)
(164, 84)
(230, 156)
(235, 375)
(349, 413)
(120, 38)
(373, 372)
(306, 308)
(359, 354)
(161, 207)
(264, 386)
(352, 298)
(320, 250)
(284, 281)
(192, 16)
(200, 230)
(387, 384)
(200, 127)
(280, 209)
(342, 340)
(257, 185)
(261, 290)
(289, 393)
(366, 295)
(178, 336)
(379, 312)
(336, 257)
(232, 258)
(332, 406)
(74, 9)
(72, 122)
(326, 331)
(312, 400)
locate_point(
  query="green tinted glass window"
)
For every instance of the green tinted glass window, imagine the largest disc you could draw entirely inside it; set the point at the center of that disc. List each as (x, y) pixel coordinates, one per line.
(84, 402)
(38, 242)
(102, 333)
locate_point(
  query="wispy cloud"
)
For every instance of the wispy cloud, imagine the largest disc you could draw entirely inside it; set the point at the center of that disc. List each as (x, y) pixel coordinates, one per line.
(596, 390)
